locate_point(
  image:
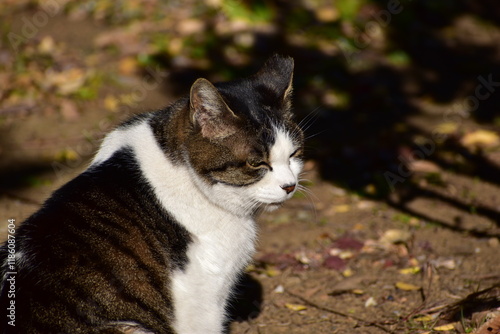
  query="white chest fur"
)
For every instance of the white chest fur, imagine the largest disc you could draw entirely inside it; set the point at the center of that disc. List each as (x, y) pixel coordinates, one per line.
(223, 242)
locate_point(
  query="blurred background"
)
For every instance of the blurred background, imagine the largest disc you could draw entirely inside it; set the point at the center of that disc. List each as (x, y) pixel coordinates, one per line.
(400, 102)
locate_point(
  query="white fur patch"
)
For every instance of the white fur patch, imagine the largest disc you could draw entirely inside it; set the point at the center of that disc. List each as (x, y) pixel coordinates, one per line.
(285, 171)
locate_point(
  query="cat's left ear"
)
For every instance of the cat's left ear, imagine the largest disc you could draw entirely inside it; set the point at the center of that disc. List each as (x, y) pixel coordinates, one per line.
(277, 75)
(209, 113)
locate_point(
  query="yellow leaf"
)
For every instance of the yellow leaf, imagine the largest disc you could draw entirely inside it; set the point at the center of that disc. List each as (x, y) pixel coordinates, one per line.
(347, 273)
(272, 272)
(409, 271)
(480, 138)
(341, 208)
(295, 307)
(424, 318)
(327, 14)
(446, 128)
(395, 236)
(444, 328)
(111, 103)
(407, 286)
(46, 45)
(128, 65)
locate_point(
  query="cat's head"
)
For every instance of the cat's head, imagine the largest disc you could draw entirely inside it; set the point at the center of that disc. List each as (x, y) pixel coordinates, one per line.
(243, 146)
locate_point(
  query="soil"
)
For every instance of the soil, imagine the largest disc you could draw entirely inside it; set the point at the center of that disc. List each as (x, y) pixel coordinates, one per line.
(334, 259)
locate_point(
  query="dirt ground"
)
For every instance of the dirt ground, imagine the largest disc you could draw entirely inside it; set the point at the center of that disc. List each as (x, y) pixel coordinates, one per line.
(421, 258)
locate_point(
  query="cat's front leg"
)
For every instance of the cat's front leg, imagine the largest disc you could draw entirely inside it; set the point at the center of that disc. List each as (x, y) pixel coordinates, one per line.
(199, 317)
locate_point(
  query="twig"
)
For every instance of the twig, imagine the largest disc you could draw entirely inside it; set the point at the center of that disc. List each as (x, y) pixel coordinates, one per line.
(327, 309)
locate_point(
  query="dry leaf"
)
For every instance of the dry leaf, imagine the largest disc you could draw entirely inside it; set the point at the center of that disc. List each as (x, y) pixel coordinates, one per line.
(334, 262)
(327, 14)
(410, 271)
(492, 326)
(444, 328)
(424, 166)
(407, 286)
(295, 307)
(128, 65)
(424, 318)
(480, 139)
(370, 302)
(347, 273)
(341, 208)
(446, 128)
(111, 103)
(190, 26)
(271, 271)
(395, 237)
(46, 45)
(65, 82)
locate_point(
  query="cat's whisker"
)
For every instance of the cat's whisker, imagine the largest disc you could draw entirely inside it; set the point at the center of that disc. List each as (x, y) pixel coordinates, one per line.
(309, 119)
(309, 195)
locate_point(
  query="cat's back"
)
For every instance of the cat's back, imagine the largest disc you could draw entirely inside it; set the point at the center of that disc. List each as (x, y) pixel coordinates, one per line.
(102, 241)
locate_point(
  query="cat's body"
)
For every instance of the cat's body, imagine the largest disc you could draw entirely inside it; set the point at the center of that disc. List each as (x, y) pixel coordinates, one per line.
(153, 235)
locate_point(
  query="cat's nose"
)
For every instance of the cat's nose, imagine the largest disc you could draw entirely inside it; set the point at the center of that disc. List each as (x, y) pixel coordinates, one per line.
(288, 188)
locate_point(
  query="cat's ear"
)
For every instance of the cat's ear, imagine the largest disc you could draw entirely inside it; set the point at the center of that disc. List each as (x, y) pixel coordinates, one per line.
(277, 75)
(209, 112)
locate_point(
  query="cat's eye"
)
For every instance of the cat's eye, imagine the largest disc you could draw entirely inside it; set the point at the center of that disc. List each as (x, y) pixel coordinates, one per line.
(296, 153)
(257, 164)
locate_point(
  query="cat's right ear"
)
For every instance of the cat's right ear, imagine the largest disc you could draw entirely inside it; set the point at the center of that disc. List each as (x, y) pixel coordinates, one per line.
(209, 113)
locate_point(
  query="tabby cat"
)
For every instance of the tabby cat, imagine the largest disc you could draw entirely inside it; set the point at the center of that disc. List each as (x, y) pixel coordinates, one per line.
(152, 237)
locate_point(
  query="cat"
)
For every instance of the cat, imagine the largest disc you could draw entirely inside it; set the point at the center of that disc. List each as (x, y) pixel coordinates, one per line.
(153, 236)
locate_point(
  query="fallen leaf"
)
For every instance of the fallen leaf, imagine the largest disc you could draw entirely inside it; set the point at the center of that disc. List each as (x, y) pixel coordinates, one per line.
(190, 26)
(344, 255)
(407, 286)
(327, 14)
(46, 45)
(492, 326)
(352, 284)
(370, 302)
(295, 307)
(446, 128)
(128, 65)
(480, 139)
(66, 155)
(423, 166)
(395, 236)
(334, 262)
(65, 82)
(424, 318)
(111, 103)
(347, 273)
(409, 271)
(348, 243)
(271, 271)
(279, 289)
(342, 208)
(444, 328)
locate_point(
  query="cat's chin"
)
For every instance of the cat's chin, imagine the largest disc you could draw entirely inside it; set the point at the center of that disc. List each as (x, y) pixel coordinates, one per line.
(273, 206)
